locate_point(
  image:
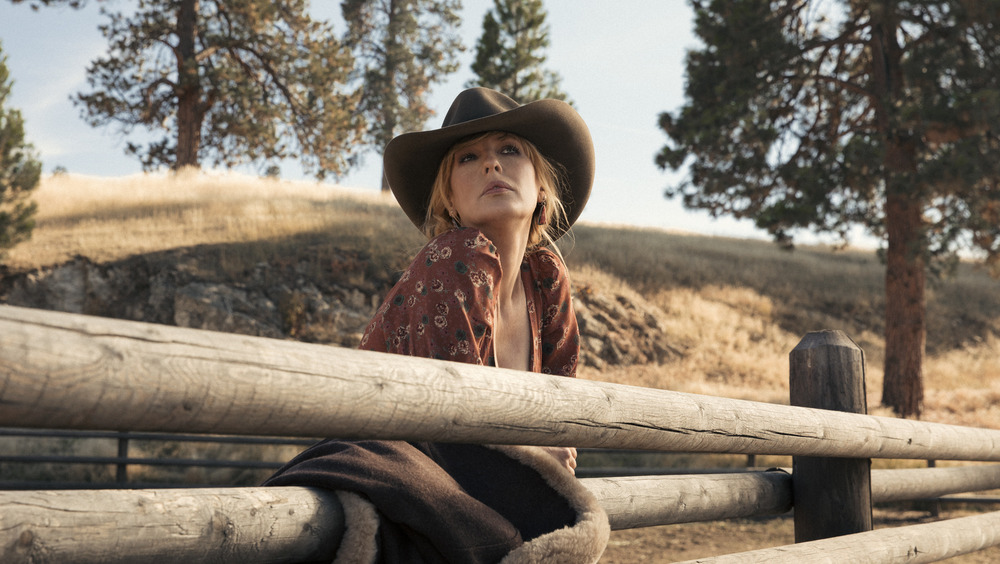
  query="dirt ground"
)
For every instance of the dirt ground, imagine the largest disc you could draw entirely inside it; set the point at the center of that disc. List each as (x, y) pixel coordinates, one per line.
(674, 543)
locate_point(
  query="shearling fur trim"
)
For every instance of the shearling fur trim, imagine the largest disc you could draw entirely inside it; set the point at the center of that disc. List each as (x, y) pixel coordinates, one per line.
(359, 544)
(583, 542)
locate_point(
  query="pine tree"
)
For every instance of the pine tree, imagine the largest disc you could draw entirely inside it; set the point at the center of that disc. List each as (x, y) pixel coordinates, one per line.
(826, 115)
(19, 170)
(510, 54)
(229, 82)
(403, 47)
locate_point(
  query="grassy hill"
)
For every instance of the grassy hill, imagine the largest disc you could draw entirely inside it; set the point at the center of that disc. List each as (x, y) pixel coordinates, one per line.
(735, 308)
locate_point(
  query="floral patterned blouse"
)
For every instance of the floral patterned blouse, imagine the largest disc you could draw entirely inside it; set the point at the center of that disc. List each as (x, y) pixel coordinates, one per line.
(443, 306)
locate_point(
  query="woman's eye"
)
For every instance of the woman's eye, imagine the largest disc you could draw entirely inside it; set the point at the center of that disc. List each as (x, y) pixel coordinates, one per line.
(510, 150)
(466, 157)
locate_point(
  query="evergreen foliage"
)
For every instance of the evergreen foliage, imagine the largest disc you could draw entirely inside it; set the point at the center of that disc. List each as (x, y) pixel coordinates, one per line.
(402, 48)
(510, 54)
(229, 82)
(19, 170)
(36, 4)
(826, 115)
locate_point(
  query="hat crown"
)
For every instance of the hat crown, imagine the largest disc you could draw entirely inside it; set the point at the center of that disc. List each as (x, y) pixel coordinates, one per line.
(411, 160)
(477, 103)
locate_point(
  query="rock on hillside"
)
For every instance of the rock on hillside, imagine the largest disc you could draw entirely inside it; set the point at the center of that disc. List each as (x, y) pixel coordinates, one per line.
(616, 329)
(329, 304)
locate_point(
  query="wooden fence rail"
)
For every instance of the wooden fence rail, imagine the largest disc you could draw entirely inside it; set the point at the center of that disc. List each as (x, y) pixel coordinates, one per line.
(75, 372)
(293, 524)
(123, 461)
(78, 372)
(914, 544)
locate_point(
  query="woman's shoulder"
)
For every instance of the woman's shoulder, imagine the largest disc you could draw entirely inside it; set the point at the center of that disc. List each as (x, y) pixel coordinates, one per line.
(546, 261)
(464, 238)
(462, 244)
(548, 269)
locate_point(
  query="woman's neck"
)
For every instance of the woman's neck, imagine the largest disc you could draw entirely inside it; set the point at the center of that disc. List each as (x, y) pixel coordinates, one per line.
(511, 245)
(512, 330)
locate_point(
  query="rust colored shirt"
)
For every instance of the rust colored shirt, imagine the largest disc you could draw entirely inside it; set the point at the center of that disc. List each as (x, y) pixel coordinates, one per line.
(444, 307)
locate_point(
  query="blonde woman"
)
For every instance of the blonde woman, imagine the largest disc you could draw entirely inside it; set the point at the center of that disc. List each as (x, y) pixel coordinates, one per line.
(495, 186)
(492, 187)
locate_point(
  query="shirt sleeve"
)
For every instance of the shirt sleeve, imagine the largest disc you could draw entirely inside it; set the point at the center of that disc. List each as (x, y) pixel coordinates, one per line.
(443, 305)
(559, 331)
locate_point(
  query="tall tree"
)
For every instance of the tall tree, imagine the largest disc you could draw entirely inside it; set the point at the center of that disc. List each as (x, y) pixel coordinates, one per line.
(230, 82)
(822, 115)
(510, 54)
(19, 170)
(402, 48)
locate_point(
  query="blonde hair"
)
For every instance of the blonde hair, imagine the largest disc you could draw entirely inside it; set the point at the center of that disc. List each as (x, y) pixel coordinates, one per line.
(551, 180)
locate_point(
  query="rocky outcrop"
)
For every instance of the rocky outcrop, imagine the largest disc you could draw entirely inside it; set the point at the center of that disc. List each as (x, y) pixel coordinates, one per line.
(616, 329)
(270, 300)
(294, 300)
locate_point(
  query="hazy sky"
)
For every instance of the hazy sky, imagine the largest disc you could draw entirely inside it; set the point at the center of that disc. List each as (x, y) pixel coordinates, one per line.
(621, 62)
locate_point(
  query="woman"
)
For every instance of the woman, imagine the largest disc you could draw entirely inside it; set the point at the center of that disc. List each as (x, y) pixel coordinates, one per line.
(491, 188)
(506, 180)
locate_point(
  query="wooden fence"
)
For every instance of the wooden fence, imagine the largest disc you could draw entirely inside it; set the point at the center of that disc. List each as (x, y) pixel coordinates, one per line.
(125, 459)
(50, 449)
(77, 372)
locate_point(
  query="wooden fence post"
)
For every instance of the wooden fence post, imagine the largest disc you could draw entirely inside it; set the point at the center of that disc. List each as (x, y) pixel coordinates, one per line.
(121, 470)
(831, 496)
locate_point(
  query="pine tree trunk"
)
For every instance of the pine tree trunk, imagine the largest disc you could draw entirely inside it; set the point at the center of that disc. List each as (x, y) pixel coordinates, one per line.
(905, 273)
(905, 307)
(189, 87)
(390, 105)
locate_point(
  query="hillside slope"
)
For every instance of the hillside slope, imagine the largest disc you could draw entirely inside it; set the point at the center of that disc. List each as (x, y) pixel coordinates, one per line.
(659, 309)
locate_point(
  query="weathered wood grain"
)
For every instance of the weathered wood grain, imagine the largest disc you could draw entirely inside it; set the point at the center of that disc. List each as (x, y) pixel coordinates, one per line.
(237, 525)
(913, 544)
(921, 483)
(295, 524)
(833, 495)
(61, 370)
(646, 501)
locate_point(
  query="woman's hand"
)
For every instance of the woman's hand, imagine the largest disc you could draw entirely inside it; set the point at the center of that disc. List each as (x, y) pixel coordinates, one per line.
(565, 456)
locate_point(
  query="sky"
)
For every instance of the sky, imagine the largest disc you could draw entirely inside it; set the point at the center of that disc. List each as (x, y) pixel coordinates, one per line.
(622, 64)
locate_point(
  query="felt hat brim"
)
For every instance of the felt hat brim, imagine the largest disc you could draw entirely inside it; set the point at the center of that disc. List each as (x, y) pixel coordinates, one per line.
(411, 160)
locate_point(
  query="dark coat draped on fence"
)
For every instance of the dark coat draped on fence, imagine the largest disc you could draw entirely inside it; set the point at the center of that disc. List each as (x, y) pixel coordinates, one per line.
(452, 503)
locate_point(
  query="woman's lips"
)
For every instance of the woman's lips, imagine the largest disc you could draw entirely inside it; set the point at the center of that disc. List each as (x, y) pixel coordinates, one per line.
(496, 188)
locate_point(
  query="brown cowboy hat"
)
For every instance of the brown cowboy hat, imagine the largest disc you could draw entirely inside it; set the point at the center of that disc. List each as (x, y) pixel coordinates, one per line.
(411, 160)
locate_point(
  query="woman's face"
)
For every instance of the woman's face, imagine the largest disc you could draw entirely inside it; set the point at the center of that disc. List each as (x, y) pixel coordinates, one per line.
(494, 183)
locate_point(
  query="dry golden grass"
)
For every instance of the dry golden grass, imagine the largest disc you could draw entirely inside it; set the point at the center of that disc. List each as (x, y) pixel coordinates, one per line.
(735, 307)
(738, 307)
(108, 219)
